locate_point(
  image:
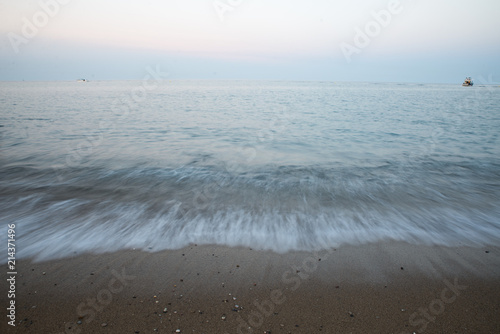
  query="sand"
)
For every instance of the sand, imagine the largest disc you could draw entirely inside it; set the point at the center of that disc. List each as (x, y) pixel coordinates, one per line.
(377, 288)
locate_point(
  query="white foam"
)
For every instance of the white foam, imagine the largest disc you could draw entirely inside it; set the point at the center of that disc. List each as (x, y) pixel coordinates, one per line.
(61, 229)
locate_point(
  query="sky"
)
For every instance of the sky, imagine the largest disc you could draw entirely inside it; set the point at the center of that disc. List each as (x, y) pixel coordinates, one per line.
(440, 41)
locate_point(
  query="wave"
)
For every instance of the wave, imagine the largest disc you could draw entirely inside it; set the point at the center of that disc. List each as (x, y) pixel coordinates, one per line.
(58, 212)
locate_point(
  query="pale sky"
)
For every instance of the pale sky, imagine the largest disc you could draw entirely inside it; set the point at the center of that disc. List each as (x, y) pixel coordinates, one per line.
(356, 40)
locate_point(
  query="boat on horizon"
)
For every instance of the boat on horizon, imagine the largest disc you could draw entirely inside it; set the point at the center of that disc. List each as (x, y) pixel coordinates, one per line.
(82, 80)
(468, 82)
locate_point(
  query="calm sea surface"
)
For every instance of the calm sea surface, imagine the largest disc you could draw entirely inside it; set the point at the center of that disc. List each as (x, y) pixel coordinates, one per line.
(103, 166)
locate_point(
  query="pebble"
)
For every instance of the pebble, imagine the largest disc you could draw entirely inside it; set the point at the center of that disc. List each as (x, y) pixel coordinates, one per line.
(104, 324)
(177, 330)
(79, 322)
(165, 310)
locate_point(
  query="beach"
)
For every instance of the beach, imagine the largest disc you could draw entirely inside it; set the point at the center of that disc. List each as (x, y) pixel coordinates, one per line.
(227, 206)
(249, 167)
(375, 288)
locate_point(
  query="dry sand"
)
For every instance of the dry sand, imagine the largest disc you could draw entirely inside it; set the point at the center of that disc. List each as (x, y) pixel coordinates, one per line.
(376, 288)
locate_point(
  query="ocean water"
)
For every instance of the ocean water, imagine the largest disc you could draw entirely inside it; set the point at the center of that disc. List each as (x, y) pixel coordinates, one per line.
(104, 166)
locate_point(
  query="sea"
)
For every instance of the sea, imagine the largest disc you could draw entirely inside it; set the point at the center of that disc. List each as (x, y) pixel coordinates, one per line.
(102, 166)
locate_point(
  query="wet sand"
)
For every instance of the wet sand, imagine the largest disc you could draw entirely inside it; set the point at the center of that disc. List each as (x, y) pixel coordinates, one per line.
(375, 288)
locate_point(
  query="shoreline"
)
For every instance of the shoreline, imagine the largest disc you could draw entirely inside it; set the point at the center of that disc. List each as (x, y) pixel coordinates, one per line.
(373, 288)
